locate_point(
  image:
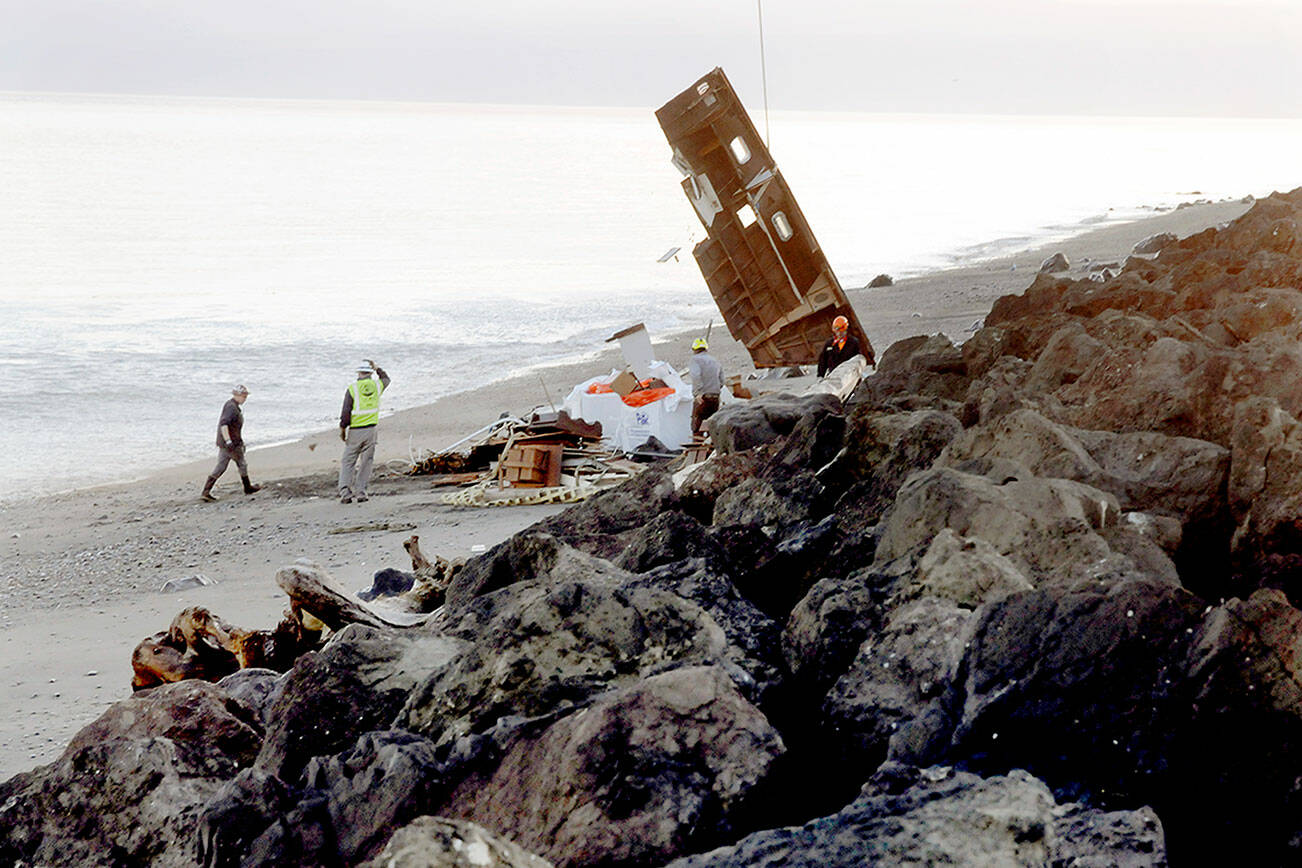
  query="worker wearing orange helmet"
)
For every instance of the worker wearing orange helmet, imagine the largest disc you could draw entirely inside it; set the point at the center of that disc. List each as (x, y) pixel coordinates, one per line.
(840, 348)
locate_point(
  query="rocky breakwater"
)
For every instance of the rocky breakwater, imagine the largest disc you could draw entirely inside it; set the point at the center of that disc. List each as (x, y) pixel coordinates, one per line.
(1028, 600)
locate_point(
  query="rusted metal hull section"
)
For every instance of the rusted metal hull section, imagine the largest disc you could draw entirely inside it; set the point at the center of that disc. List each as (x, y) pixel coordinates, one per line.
(763, 266)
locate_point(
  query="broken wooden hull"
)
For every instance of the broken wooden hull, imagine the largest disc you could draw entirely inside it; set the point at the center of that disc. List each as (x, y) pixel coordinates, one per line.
(763, 266)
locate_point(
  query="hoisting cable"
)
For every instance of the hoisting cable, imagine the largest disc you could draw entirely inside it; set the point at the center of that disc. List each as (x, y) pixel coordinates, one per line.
(764, 75)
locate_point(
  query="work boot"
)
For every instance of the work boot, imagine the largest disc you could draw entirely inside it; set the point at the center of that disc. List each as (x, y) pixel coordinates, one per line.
(361, 498)
(207, 495)
(249, 487)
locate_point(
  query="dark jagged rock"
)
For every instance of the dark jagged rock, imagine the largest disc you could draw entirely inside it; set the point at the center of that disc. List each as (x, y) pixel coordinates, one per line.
(754, 639)
(238, 814)
(254, 688)
(599, 524)
(829, 624)
(798, 561)
(815, 440)
(916, 373)
(388, 582)
(537, 647)
(669, 537)
(936, 816)
(880, 281)
(357, 683)
(882, 450)
(896, 687)
(385, 780)
(1148, 472)
(703, 485)
(756, 502)
(1103, 665)
(129, 787)
(1265, 493)
(641, 776)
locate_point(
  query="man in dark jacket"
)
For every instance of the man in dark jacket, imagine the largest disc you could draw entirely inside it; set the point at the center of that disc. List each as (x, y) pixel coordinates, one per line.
(841, 348)
(230, 444)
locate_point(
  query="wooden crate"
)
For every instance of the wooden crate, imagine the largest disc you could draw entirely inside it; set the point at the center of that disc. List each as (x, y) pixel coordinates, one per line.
(530, 466)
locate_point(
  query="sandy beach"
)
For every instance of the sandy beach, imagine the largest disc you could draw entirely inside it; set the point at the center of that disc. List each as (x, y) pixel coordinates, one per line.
(83, 570)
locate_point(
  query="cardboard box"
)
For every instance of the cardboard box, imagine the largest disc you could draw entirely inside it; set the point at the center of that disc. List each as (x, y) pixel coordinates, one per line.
(624, 383)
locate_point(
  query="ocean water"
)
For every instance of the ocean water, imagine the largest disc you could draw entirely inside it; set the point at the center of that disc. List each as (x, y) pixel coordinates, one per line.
(154, 252)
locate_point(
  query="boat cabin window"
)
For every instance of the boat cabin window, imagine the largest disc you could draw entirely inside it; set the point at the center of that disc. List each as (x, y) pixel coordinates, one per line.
(740, 150)
(746, 215)
(782, 226)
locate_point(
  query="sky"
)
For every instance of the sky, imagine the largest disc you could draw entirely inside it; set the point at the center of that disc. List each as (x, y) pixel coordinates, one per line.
(1090, 57)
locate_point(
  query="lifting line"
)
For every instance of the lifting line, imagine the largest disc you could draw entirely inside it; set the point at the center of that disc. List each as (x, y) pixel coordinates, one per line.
(764, 75)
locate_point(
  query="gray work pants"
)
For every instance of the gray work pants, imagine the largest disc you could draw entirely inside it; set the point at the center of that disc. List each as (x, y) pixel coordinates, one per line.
(226, 456)
(359, 453)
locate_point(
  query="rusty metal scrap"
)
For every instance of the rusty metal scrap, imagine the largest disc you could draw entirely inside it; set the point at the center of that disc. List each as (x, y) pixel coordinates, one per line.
(763, 266)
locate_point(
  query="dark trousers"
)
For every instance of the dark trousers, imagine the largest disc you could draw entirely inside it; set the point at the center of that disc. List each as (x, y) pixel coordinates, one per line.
(703, 408)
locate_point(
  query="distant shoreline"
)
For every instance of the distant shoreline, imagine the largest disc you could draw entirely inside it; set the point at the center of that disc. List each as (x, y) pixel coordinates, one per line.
(560, 375)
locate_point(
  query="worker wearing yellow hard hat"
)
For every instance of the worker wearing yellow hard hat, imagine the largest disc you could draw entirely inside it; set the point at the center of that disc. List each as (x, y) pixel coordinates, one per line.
(707, 383)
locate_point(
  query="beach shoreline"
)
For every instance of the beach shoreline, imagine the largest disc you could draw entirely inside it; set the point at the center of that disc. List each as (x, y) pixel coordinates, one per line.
(86, 565)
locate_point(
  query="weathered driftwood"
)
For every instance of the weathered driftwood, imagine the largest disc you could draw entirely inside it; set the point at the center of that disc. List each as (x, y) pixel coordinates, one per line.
(418, 560)
(199, 644)
(313, 590)
(374, 527)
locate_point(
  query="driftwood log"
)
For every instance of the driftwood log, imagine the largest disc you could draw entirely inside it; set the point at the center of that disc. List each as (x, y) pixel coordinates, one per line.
(199, 644)
(314, 591)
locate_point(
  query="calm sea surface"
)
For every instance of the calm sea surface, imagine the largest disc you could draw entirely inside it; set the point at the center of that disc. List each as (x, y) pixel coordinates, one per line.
(153, 252)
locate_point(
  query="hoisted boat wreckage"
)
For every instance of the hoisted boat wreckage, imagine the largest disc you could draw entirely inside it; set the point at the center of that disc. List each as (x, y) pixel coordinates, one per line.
(763, 266)
(769, 278)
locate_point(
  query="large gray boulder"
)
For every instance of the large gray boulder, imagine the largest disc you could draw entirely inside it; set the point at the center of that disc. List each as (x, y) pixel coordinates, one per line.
(357, 683)
(531, 555)
(882, 449)
(1049, 529)
(1265, 493)
(642, 775)
(439, 842)
(600, 524)
(350, 803)
(897, 683)
(129, 787)
(1179, 476)
(938, 816)
(754, 639)
(827, 626)
(536, 647)
(746, 424)
(921, 372)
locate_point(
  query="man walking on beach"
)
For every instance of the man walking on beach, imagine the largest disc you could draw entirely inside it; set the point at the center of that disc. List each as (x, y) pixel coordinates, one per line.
(707, 383)
(230, 444)
(357, 421)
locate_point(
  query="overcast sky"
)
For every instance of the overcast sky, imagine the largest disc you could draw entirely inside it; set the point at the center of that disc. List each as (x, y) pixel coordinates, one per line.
(1148, 57)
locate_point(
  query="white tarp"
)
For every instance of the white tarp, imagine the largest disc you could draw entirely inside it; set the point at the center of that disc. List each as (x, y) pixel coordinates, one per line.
(841, 380)
(669, 419)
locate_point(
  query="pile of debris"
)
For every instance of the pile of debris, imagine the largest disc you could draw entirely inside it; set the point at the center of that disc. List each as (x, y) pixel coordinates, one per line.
(548, 457)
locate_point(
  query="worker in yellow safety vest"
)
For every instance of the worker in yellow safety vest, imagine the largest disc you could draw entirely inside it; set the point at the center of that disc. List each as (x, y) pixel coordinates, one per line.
(357, 424)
